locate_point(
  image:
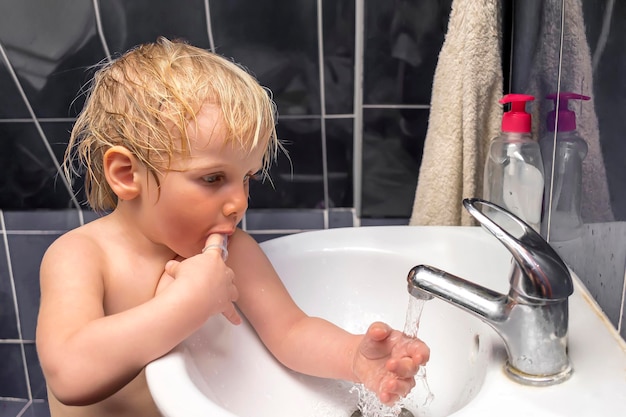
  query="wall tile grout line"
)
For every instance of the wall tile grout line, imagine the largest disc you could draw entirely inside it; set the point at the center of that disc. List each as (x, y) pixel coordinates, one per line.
(41, 119)
(397, 106)
(16, 307)
(24, 409)
(320, 57)
(209, 26)
(622, 310)
(35, 232)
(100, 28)
(357, 134)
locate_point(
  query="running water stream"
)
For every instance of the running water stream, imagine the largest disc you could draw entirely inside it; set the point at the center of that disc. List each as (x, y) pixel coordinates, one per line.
(369, 404)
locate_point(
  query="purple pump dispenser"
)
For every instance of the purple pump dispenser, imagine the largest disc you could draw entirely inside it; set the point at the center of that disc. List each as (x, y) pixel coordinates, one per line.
(562, 151)
(567, 118)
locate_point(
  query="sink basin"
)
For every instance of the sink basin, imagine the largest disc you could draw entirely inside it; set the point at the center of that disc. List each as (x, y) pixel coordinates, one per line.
(355, 276)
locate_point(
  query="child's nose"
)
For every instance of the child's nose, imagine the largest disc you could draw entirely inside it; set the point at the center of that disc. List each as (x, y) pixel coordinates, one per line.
(237, 201)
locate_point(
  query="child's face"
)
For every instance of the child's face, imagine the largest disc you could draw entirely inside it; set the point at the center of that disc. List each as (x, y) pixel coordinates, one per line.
(204, 193)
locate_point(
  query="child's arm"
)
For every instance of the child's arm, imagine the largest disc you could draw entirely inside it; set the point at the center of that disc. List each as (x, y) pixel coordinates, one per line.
(88, 355)
(385, 361)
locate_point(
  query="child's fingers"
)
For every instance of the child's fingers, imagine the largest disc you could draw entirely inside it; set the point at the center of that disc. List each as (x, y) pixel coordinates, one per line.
(171, 267)
(403, 367)
(217, 242)
(419, 351)
(379, 331)
(232, 315)
(395, 388)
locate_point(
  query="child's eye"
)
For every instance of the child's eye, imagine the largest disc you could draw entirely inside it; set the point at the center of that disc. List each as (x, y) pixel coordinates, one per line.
(213, 178)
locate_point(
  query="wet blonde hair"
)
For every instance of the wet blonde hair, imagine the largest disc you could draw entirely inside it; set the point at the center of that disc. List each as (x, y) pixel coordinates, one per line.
(145, 100)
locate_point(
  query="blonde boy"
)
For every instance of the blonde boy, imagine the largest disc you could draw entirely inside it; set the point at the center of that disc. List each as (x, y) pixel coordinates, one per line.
(169, 139)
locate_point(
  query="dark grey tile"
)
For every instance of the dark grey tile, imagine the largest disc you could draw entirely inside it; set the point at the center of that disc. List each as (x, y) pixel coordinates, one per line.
(277, 41)
(26, 254)
(27, 171)
(338, 36)
(8, 319)
(130, 23)
(393, 141)
(37, 409)
(11, 103)
(35, 374)
(384, 221)
(90, 216)
(340, 158)
(51, 46)
(297, 181)
(58, 134)
(41, 220)
(263, 237)
(12, 376)
(259, 220)
(341, 218)
(402, 44)
(12, 408)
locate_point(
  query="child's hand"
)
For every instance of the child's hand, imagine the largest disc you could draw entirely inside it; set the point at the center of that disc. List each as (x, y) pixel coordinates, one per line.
(387, 360)
(209, 278)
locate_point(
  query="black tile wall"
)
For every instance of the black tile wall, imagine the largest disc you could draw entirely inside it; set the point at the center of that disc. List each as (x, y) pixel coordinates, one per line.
(402, 43)
(393, 140)
(28, 174)
(8, 316)
(12, 372)
(128, 23)
(12, 407)
(278, 43)
(26, 275)
(303, 51)
(11, 105)
(338, 40)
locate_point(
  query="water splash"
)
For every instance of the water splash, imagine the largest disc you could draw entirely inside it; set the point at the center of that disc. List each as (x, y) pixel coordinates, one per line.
(411, 328)
(369, 404)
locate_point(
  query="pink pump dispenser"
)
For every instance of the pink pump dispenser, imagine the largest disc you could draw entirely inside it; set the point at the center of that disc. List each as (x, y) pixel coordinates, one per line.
(516, 119)
(564, 149)
(514, 169)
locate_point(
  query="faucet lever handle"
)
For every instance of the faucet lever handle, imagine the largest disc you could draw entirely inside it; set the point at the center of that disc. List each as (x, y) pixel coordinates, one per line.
(544, 275)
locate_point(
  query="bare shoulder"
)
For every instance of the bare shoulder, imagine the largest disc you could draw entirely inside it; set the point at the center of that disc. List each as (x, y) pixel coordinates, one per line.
(71, 286)
(75, 250)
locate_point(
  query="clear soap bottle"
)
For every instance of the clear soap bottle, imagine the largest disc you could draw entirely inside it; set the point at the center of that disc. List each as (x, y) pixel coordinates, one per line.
(562, 219)
(514, 176)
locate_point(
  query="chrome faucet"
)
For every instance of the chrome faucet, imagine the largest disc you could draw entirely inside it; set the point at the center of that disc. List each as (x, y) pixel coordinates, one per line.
(532, 318)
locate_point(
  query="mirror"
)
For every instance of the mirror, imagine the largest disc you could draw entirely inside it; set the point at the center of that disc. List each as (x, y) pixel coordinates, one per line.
(577, 46)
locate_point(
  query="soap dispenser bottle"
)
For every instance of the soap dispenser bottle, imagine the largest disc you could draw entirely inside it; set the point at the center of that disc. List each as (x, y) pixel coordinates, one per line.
(564, 149)
(514, 176)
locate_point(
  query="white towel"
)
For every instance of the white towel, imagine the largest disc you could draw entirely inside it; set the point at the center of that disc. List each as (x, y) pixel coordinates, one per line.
(464, 115)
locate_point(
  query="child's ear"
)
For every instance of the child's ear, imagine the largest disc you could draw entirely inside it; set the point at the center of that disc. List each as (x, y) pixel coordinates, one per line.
(121, 170)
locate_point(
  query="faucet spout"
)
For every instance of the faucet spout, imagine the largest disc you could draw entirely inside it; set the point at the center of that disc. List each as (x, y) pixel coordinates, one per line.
(532, 319)
(427, 282)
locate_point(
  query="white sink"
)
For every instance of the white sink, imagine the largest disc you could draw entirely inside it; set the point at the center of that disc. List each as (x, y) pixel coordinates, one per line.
(355, 276)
